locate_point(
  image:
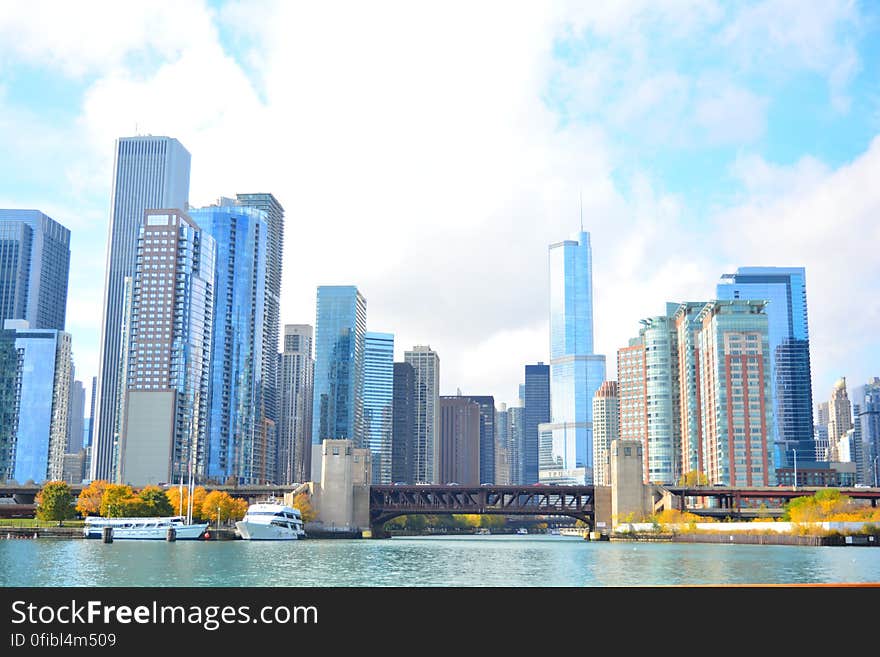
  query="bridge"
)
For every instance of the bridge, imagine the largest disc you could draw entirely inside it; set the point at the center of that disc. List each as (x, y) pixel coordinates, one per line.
(387, 502)
(739, 502)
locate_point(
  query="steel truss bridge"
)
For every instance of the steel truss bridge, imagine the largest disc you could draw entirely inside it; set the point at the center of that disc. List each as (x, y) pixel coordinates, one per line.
(387, 502)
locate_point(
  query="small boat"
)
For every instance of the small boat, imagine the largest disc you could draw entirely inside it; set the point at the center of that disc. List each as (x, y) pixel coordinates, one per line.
(144, 528)
(522, 530)
(482, 531)
(271, 521)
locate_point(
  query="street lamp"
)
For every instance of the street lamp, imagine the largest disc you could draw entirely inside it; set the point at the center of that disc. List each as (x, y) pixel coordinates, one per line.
(218, 518)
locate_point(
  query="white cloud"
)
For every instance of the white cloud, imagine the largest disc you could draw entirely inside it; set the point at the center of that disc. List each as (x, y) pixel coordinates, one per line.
(827, 222)
(415, 157)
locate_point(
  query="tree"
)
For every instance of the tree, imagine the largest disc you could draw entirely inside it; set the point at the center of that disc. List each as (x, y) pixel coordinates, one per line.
(693, 478)
(55, 502)
(154, 502)
(231, 508)
(492, 521)
(416, 522)
(118, 501)
(304, 504)
(89, 501)
(174, 497)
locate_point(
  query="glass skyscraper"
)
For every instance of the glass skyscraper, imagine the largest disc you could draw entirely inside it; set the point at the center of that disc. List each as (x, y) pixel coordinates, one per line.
(378, 402)
(536, 410)
(575, 371)
(785, 290)
(35, 376)
(241, 443)
(337, 410)
(34, 268)
(272, 313)
(148, 173)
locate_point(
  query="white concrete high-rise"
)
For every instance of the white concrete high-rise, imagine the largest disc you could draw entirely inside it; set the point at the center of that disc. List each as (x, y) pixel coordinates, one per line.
(148, 173)
(296, 386)
(426, 459)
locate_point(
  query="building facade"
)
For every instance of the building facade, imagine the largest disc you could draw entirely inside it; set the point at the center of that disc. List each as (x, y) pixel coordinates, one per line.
(426, 364)
(606, 427)
(35, 375)
(378, 402)
(296, 387)
(488, 447)
(536, 411)
(785, 290)
(337, 410)
(242, 435)
(34, 269)
(167, 402)
(459, 441)
(736, 393)
(690, 427)
(839, 415)
(271, 327)
(148, 173)
(403, 425)
(866, 419)
(575, 371)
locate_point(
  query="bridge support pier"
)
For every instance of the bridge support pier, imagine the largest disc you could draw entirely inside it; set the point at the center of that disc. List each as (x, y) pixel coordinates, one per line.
(378, 531)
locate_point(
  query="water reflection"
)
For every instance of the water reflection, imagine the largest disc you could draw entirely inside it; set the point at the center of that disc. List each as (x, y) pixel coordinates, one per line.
(425, 561)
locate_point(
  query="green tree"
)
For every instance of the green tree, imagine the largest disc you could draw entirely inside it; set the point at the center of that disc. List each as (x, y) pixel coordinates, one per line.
(492, 521)
(55, 502)
(154, 502)
(416, 522)
(118, 501)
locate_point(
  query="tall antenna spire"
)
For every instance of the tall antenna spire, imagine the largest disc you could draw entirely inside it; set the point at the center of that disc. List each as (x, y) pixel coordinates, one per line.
(581, 195)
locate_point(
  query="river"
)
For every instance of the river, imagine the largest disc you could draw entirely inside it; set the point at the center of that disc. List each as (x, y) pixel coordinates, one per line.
(504, 560)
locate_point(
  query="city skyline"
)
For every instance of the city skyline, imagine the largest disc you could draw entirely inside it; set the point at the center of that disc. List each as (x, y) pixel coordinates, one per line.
(753, 191)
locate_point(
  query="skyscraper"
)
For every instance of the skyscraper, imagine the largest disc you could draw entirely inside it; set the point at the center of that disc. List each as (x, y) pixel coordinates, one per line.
(575, 371)
(403, 431)
(536, 411)
(242, 435)
(459, 441)
(839, 417)
(76, 415)
(297, 378)
(337, 410)
(35, 366)
(516, 443)
(378, 402)
(272, 294)
(426, 364)
(504, 466)
(487, 437)
(649, 396)
(690, 426)
(735, 393)
(34, 268)
(165, 430)
(792, 406)
(606, 427)
(148, 173)
(866, 412)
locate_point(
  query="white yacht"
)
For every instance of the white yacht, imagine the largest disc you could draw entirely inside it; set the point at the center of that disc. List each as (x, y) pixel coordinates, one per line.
(143, 528)
(271, 521)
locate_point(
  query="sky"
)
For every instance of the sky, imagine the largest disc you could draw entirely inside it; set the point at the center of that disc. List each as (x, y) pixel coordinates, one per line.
(430, 152)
